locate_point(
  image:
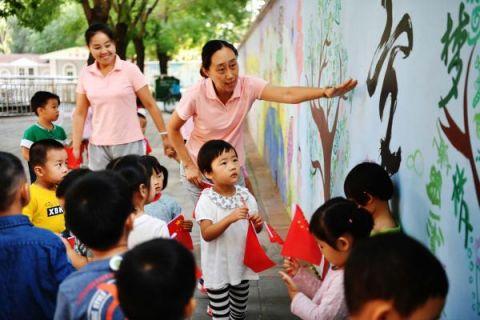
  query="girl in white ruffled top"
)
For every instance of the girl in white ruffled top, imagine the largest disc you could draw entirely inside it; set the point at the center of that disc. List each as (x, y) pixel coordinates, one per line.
(223, 212)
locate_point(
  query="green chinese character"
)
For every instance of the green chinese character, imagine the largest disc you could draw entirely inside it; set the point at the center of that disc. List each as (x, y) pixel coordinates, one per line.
(434, 187)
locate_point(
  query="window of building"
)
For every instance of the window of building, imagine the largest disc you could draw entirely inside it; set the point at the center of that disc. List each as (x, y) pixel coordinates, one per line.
(31, 71)
(69, 70)
(21, 71)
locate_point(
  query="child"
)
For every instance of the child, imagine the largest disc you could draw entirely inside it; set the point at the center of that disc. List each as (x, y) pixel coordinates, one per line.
(392, 276)
(32, 260)
(338, 226)
(163, 206)
(223, 212)
(142, 118)
(156, 280)
(79, 255)
(141, 181)
(98, 210)
(45, 105)
(48, 159)
(369, 185)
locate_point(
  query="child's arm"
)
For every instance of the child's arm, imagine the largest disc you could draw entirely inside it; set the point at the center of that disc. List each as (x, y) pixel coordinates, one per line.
(210, 231)
(77, 261)
(25, 153)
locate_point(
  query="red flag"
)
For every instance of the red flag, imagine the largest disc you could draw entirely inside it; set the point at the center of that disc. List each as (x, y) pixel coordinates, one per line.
(255, 257)
(182, 235)
(300, 243)
(273, 235)
(72, 162)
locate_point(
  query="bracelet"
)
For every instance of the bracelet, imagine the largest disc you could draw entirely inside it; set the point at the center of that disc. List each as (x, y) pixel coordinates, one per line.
(163, 133)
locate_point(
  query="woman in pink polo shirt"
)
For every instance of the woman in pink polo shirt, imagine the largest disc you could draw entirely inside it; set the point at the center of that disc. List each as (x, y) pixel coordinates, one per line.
(219, 104)
(110, 86)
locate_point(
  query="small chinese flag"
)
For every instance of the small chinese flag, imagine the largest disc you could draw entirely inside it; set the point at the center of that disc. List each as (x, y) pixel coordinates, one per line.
(183, 236)
(255, 257)
(300, 243)
(72, 162)
(273, 235)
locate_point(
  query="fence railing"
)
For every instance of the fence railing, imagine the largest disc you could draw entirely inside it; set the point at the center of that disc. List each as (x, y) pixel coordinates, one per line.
(16, 92)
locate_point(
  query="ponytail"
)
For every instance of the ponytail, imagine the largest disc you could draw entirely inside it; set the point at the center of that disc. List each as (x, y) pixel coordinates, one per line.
(339, 216)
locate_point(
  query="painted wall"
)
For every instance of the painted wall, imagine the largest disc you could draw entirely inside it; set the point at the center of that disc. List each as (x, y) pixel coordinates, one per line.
(415, 110)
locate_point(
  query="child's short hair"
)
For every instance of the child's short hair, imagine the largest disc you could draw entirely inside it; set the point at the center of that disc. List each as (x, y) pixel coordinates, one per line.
(156, 279)
(134, 169)
(368, 177)
(96, 208)
(338, 216)
(158, 168)
(38, 151)
(40, 99)
(11, 177)
(393, 267)
(68, 181)
(210, 151)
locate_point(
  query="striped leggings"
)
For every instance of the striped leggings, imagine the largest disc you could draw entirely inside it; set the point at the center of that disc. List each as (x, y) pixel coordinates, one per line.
(229, 302)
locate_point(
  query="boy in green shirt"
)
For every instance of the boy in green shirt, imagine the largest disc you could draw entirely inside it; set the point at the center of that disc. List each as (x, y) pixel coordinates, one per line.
(45, 105)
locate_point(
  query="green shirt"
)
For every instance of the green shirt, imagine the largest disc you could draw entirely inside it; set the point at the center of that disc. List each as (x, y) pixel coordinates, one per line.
(387, 230)
(37, 132)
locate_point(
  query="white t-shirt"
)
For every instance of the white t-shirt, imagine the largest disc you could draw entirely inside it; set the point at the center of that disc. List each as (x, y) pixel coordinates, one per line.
(222, 258)
(147, 228)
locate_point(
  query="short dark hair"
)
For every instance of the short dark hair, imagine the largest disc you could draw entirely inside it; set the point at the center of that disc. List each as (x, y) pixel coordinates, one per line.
(210, 48)
(393, 267)
(38, 151)
(339, 216)
(210, 151)
(156, 278)
(68, 181)
(11, 177)
(368, 177)
(96, 208)
(98, 27)
(134, 169)
(40, 99)
(158, 168)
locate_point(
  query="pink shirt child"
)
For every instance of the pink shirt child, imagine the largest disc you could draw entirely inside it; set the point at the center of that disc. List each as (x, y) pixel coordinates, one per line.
(113, 102)
(214, 120)
(319, 300)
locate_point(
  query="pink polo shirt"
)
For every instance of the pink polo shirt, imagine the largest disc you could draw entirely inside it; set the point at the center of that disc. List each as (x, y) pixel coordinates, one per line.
(113, 102)
(214, 120)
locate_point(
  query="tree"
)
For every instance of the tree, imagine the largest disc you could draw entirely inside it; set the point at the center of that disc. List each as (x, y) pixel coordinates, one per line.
(98, 12)
(34, 14)
(180, 24)
(5, 37)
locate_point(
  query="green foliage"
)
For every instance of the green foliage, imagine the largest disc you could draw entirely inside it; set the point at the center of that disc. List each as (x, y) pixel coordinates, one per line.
(184, 24)
(64, 32)
(34, 14)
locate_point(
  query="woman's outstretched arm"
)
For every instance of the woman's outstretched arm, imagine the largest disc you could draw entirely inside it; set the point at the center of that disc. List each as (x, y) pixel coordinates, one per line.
(294, 95)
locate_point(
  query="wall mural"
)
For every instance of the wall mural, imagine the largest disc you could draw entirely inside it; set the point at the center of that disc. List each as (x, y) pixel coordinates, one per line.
(415, 111)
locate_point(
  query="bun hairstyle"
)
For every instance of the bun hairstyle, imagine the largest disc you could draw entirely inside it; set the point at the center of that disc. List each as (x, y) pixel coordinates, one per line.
(209, 49)
(339, 216)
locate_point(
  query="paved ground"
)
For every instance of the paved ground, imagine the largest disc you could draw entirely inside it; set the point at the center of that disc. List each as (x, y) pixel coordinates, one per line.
(268, 297)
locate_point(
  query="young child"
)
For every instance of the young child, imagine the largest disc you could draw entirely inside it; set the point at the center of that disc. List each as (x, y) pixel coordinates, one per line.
(369, 185)
(392, 276)
(142, 118)
(163, 206)
(32, 260)
(223, 212)
(141, 181)
(48, 159)
(45, 105)
(338, 225)
(79, 255)
(156, 280)
(98, 210)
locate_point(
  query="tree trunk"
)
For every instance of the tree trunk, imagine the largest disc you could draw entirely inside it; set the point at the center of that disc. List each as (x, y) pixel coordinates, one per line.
(99, 13)
(163, 59)
(140, 51)
(122, 40)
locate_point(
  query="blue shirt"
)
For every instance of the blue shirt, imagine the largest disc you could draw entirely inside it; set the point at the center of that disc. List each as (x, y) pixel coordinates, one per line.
(89, 293)
(165, 208)
(33, 262)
